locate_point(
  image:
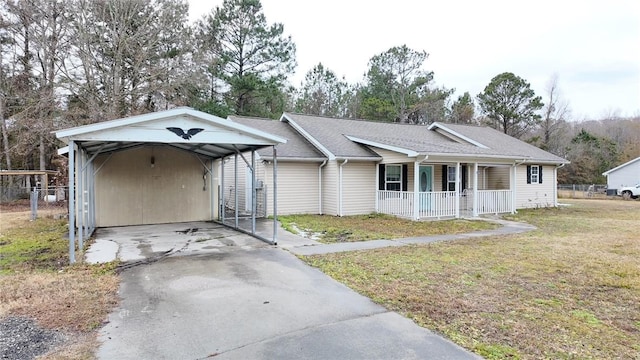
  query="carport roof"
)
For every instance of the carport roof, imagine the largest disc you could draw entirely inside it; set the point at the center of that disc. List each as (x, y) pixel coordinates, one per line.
(184, 128)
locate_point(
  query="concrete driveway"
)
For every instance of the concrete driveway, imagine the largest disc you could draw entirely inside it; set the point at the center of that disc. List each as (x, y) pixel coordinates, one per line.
(253, 301)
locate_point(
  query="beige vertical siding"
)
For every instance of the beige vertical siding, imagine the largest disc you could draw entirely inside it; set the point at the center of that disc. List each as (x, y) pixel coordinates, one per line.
(358, 188)
(298, 188)
(130, 192)
(498, 178)
(437, 177)
(535, 195)
(330, 188)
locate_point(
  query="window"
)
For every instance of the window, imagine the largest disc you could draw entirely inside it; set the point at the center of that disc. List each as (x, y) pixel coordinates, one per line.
(393, 178)
(534, 174)
(451, 178)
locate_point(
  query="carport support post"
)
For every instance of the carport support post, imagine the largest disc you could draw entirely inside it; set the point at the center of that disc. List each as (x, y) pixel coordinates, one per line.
(72, 205)
(254, 206)
(275, 194)
(222, 206)
(80, 201)
(235, 187)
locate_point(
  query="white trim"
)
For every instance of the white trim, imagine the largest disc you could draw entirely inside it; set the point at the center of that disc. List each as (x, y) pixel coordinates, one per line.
(456, 134)
(606, 173)
(66, 134)
(285, 117)
(409, 153)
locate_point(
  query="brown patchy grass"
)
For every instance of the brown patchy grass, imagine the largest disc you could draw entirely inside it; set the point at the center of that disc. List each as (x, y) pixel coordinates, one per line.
(35, 281)
(570, 289)
(334, 229)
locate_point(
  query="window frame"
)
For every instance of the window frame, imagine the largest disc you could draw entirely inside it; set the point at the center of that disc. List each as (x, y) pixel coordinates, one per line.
(388, 182)
(451, 184)
(535, 177)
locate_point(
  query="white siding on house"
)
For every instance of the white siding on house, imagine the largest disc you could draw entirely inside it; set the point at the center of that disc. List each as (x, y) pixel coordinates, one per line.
(535, 195)
(298, 187)
(358, 188)
(130, 191)
(498, 178)
(330, 188)
(229, 181)
(625, 176)
(391, 157)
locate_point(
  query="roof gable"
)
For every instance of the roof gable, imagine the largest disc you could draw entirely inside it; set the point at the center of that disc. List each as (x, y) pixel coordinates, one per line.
(180, 125)
(621, 166)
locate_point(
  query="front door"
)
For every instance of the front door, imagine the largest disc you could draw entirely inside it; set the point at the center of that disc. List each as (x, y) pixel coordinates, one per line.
(425, 186)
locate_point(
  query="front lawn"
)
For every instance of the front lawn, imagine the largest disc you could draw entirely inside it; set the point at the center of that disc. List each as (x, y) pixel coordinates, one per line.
(332, 229)
(570, 289)
(36, 283)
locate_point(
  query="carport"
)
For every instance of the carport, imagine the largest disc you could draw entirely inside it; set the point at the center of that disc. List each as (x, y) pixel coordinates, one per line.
(161, 167)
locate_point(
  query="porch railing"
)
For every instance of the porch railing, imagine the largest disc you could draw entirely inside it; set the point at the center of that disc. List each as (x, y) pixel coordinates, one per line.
(435, 204)
(494, 201)
(439, 204)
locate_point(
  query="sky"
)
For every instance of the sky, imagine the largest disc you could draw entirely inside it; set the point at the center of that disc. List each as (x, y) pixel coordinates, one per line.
(592, 47)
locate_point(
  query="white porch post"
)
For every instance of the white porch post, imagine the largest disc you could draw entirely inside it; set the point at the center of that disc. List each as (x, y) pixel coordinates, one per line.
(377, 185)
(514, 173)
(458, 184)
(416, 188)
(275, 195)
(72, 204)
(475, 189)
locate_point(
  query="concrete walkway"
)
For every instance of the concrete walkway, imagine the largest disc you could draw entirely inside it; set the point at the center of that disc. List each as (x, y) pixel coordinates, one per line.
(303, 246)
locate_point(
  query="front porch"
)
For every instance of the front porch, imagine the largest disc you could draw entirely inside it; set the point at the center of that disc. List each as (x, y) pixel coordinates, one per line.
(444, 204)
(445, 190)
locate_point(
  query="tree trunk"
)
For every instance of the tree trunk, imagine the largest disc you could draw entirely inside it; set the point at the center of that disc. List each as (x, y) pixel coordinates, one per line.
(5, 138)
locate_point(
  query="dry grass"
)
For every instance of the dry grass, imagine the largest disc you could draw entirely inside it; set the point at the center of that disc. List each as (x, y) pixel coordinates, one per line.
(35, 281)
(376, 226)
(571, 289)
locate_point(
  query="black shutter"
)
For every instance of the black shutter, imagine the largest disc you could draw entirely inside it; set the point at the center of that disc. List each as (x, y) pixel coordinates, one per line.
(444, 178)
(405, 175)
(528, 174)
(540, 174)
(464, 177)
(381, 177)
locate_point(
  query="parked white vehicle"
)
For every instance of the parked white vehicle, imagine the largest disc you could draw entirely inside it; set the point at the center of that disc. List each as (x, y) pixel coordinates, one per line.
(630, 192)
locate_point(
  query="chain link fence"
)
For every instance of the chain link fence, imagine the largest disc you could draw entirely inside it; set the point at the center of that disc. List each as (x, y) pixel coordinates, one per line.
(583, 191)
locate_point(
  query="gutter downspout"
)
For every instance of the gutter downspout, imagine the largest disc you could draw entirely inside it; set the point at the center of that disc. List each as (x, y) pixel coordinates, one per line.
(555, 188)
(340, 187)
(324, 163)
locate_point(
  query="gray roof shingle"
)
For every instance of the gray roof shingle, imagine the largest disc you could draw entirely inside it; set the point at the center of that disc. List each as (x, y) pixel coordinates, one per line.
(296, 146)
(332, 132)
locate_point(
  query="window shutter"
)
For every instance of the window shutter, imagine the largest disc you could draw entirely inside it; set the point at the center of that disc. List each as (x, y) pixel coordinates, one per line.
(540, 174)
(405, 175)
(381, 177)
(528, 174)
(444, 177)
(464, 177)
